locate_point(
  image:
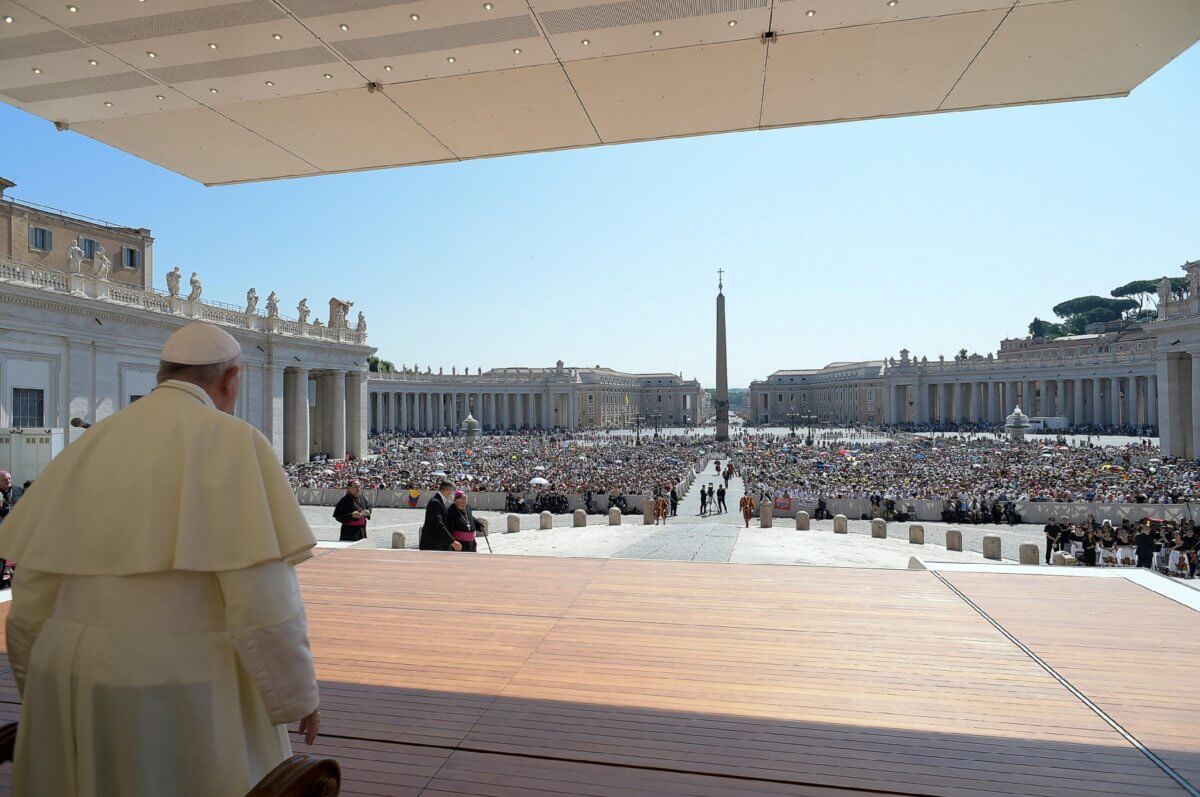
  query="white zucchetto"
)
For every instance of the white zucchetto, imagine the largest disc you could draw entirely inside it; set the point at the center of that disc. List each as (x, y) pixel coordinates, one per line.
(200, 344)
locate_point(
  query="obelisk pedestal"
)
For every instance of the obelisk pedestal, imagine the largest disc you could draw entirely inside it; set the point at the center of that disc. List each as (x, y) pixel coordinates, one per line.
(722, 368)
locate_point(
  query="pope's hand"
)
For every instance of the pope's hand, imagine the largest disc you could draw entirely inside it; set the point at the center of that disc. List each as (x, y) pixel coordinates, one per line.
(356, 513)
(310, 725)
(456, 545)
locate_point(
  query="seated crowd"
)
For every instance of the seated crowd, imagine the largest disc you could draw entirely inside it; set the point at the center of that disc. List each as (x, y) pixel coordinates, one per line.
(1163, 545)
(560, 462)
(976, 474)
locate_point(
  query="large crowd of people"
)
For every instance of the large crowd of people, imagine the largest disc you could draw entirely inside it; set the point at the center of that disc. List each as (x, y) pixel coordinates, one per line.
(975, 470)
(517, 463)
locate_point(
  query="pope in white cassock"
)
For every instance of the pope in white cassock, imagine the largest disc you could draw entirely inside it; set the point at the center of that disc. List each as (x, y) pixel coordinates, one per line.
(156, 632)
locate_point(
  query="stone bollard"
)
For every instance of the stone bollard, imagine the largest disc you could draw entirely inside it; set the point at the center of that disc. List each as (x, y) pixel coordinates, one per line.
(1063, 559)
(839, 525)
(991, 547)
(546, 521)
(916, 534)
(953, 540)
(801, 521)
(647, 511)
(514, 524)
(1029, 554)
(580, 518)
(766, 514)
(879, 528)
(614, 516)
(398, 539)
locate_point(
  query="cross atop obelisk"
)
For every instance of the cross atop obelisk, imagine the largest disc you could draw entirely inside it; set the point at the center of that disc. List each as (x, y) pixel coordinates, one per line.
(722, 364)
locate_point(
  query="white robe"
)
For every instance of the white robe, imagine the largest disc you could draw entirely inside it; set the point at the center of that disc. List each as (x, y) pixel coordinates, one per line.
(169, 662)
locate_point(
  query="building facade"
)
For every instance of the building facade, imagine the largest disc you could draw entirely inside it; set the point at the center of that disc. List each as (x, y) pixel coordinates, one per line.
(45, 238)
(530, 398)
(1103, 379)
(1177, 366)
(839, 393)
(77, 343)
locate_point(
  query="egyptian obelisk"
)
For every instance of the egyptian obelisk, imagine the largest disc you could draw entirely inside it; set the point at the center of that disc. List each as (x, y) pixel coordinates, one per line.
(722, 365)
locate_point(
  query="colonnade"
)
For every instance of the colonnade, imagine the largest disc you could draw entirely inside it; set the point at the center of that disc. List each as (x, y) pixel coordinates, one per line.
(1129, 400)
(324, 411)
(438, 410)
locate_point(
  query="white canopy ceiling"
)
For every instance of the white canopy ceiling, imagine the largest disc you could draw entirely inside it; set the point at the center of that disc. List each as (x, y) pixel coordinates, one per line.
(234, 90)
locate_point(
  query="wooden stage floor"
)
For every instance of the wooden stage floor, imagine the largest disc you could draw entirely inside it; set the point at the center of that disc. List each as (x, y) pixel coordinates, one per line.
(445, 675)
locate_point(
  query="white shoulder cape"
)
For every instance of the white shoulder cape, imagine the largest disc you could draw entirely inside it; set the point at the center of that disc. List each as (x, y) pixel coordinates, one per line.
(168, 483)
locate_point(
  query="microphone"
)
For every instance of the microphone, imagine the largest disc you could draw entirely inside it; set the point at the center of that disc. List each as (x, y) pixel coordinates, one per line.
(80, 423)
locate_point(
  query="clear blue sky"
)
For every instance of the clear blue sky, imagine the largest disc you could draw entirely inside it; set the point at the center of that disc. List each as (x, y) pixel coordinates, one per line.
(840, 242)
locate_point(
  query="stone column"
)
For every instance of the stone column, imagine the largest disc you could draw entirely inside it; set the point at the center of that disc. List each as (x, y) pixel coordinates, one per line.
(920, 403)
(1152, 400)
(981, 402)
(1097, 401)
(1132, 401)
(995, 405)
(963, 410)
(356, 414)
(295, 412)
(335, 393)
(1114, 400)
(1010, 398)
(1193, 400)
(1076, 401)
(1170, 420)
(1029, 399)
(274, 422)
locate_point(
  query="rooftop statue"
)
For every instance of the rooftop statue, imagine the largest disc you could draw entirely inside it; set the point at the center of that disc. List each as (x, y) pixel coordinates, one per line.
(197, 288)
(75, 259)
(174, 277)
(102, 264)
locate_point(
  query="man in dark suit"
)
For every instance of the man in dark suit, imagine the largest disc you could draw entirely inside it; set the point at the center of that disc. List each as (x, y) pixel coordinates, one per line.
(1146, 546)
(435, 535)
(1051, 531)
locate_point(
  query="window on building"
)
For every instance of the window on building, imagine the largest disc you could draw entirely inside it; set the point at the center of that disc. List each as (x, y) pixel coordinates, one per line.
(591, 398)
(41, 238)
(29, 407)
(781, 397)
(88, 246)
(130, 258)
(659, 398)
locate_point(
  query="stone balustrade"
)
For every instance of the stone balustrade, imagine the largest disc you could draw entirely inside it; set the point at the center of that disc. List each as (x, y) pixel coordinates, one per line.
(88, 286)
